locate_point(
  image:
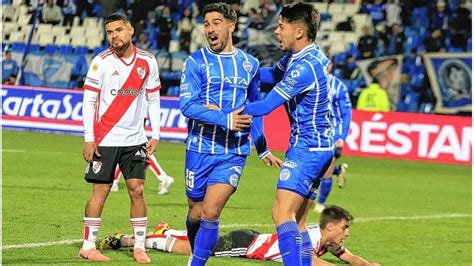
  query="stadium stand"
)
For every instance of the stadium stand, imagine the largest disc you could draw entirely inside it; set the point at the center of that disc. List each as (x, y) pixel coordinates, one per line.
(85, 35)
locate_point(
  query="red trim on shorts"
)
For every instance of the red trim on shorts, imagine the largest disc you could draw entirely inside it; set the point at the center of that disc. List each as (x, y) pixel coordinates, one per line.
(154, 89)
(90, 88)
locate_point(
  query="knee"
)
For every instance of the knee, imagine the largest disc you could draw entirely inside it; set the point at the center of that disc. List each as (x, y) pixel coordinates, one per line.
(194, 212)
(211, 214)
(136, 192)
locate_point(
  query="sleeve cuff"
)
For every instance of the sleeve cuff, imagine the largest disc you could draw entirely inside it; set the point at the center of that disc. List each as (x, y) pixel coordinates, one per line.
(264, 154)
(89, 137)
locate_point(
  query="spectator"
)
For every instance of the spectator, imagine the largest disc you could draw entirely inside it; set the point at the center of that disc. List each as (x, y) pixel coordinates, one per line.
(52, 13)
(9, 69)
(376, 12)
(435, 43)
(165, 25)
(393, 11)
(143, 42)
(367, 44)
(185, 28)
(395, 40)
(461, 27)
(347, 25)
(69, 11)
(374, 99)
(439, 18)
(85, 5)
(255, 19)
(138, 12)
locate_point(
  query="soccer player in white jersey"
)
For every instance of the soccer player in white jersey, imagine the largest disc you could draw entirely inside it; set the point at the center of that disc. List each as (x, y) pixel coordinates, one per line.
(217, 145)
(302, 88)
(327, 236)
(119, 82)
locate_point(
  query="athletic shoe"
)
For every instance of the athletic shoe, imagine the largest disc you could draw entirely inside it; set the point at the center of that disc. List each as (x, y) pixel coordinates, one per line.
(115, 187)
(319, 208)
(112, 242)
(92, 254)
(140, 256)
(165, 185)
(341, 178)
(161, 228)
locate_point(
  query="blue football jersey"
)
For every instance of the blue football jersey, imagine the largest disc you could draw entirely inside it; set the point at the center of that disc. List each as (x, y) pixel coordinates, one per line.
(303, 89)
(341, 107)
(228, 80)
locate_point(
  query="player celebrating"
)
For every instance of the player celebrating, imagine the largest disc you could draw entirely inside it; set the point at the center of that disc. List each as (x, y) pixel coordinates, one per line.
(341, 119)
(303, 87)
(119, 82)
(217, 145)
(328, 236)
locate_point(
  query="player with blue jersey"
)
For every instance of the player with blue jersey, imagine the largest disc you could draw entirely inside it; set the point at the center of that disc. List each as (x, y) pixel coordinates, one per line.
(215, 78)
(341, 119)
(303, 90)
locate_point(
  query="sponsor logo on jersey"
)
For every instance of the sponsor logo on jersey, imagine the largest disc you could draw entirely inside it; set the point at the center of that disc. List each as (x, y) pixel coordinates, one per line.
(295, 74)
(238, 169)
(93, 81)
(126, 92)
(183, 78)
(247, 65)
(285, 174)
(141, 72)
(207, 65)
(96, 166)
(231, 81)
(290, 164)
(234, 180)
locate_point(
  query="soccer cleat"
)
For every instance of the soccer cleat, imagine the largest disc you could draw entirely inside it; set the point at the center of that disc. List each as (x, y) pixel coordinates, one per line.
(115, 187)
(341, 178)
(140, 256)
(319, 208)
(161, 228)
(112, 242)
(92, 254)
(165, 185)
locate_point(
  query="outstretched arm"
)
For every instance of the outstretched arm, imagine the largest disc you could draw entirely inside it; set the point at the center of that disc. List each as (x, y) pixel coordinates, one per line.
(352, 259)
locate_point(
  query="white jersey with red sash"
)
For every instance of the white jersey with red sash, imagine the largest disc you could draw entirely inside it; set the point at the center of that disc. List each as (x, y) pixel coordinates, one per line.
(122, 87)
(265, 246)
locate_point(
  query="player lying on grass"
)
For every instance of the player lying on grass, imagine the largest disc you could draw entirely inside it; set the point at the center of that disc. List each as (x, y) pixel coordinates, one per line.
(333, 228)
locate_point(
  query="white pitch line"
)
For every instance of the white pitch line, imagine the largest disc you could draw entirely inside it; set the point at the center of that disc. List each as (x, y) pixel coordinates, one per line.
(358, 220)
(36, 152)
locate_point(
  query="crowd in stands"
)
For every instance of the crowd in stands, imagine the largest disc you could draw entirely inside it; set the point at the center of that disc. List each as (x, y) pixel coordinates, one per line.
(370, 28)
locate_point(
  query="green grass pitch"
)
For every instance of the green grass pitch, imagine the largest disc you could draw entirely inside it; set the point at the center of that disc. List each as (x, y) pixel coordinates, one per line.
(406, 213)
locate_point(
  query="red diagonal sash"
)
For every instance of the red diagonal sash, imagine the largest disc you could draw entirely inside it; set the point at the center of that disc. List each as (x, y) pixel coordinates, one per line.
(121, 103)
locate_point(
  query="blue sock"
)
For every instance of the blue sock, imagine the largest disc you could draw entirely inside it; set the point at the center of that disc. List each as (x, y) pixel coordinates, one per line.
(289, 242)
(192, 227)
(206, 239)
(306, 250)
(337, 170)
(326, 186)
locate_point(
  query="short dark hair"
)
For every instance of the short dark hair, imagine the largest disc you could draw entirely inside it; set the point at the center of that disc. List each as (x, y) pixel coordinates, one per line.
(334, 214)
(303, 12)
(116, 17)
(222, 8)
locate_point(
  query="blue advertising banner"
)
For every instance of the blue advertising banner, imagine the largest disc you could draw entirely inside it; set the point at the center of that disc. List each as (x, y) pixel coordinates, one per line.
(53, 70)
(450, 78)
(60, 111)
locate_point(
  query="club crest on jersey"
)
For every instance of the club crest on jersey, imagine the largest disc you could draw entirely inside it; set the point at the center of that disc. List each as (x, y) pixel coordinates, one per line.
(285, 174)
(247, 65)
(141, 72)
(96, 166)
(234, 180)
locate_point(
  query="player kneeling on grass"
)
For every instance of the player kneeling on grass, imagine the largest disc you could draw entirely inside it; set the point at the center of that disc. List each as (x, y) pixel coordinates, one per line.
(333, 228)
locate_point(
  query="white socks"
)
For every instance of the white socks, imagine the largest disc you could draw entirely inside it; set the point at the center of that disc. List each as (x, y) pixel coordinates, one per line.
(91, 230)
(139, 231)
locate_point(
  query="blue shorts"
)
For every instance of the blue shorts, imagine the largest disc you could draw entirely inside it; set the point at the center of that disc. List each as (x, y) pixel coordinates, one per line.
(302, 171)
(204, 169)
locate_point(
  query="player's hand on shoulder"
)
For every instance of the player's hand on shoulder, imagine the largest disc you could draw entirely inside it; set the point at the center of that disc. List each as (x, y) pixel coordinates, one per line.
(240, 121)
(90, 148)
(272, 160)
(151, 146)
(213, 107)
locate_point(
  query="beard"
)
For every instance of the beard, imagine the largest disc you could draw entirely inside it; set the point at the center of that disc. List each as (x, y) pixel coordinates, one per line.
(121, 49)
